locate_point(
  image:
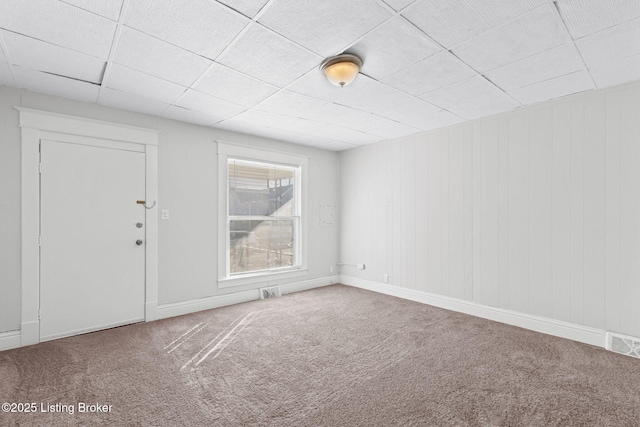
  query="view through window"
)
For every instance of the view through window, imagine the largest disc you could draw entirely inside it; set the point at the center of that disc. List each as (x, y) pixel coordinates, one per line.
(264, 216)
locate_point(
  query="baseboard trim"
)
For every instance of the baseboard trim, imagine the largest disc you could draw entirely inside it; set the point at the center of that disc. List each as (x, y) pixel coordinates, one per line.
(544, 325)
(165, 311)
(9, 340)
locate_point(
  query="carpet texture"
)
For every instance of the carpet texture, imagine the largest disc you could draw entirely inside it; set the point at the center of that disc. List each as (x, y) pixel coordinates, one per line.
(333, 356)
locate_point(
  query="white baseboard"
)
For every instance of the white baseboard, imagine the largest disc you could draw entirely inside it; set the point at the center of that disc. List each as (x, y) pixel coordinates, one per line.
(545, 325)
(185, 307)
(9, 340)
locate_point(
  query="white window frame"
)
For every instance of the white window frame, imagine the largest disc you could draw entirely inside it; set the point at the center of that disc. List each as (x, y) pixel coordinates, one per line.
(241, 152)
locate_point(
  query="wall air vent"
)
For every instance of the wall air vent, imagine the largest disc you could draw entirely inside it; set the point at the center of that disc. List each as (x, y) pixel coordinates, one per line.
(270, 292)
(629, 346)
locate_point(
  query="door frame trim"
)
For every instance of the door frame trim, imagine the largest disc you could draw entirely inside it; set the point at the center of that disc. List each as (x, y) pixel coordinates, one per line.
(36, 125)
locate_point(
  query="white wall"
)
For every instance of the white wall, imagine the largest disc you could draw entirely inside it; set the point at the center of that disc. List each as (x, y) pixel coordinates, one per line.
(536, 211)
(187, 187)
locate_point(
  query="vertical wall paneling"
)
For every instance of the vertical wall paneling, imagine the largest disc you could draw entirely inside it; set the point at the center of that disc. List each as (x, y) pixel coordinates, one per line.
(410, 212)
(397, 236)
(519, 212)
(456, 212)
(381, 194)
(536, 210)
(467, 188)
(422, 235)
(577, 211)
(489, 165)
(613, 213)
(540, 175)
(561, 212)
(477, 212)
(434, 212)
(594, 211)
(444, 164)
(630, 212)
(503, 213)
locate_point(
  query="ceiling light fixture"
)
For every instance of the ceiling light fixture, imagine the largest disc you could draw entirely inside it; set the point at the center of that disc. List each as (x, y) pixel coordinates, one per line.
(342, 69)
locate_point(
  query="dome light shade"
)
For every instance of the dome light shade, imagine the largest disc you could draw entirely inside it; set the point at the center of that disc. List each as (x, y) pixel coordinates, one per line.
(342, 69)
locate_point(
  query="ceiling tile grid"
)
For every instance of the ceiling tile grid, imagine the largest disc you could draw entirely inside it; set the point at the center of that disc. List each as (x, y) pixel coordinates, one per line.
(30, 53)
(253, 66)
(135, 82)
(584, 17)
(269, 57)
(520, 38)
(59, 23)
(107, 8)
(391, 47)
(325, 27)
(158, 58)
(231, 85)
(200, 26)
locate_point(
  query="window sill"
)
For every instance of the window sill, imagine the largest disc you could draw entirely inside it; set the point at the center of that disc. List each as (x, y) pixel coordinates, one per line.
(260, 278)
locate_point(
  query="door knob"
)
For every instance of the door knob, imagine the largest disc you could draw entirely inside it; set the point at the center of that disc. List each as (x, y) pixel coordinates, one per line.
(138, 242)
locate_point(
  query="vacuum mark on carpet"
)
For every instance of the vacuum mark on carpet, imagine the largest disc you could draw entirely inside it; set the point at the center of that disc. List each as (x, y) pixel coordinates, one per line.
(186, 336)
(228, 338)
(210, 343)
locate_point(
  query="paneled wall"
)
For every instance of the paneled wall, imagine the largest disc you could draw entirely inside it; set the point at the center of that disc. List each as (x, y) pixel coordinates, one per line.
(536, 211)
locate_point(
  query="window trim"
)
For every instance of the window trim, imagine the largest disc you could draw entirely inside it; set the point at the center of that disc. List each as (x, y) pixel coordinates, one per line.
(226, 150)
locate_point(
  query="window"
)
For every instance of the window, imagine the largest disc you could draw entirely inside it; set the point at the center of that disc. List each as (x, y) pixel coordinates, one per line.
(262, 226)
(264, 216)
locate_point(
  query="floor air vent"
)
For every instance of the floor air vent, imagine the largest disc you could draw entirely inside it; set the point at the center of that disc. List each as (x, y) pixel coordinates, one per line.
(270, 292)
(629, 346)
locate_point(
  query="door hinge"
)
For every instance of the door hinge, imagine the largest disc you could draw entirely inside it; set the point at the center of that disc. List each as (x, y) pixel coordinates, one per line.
(38, 314)
(39, 240)
(40, 168)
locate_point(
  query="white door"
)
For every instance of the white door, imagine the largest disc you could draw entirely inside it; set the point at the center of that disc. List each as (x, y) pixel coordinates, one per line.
(92, 256)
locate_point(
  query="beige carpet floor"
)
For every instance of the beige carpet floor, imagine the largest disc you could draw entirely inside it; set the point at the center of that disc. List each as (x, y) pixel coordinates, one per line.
(333, 356)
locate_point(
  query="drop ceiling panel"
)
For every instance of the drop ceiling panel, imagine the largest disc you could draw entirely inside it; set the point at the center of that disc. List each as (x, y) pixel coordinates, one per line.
(107, 8)
(200, 26)
(328, 131)
(27, 52)
(231, 85)
(399, 4)
(613, 56)
(553, 88)
(157, 58)
(584, 17)
(394, 45)
(543, 66)
(268, 57)
(247, 7)
(55, 85)
(59, 23)
(325, 27)
(128, 101)
(455, 21)
(198, 101)
(350, 118)
(185, 115)
(472, 98)
(527, 35)
(138, 83)
(413, 113)
(433, 73)
(291, 104)
(396, 130)
(373, 97)
(260, 118)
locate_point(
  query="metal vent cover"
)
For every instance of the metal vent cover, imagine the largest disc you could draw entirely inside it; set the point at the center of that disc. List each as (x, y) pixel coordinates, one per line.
(629, 346)
(270, 292)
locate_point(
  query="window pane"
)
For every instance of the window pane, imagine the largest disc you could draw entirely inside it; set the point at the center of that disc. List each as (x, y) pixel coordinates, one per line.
(261, 245)
(261, 189)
